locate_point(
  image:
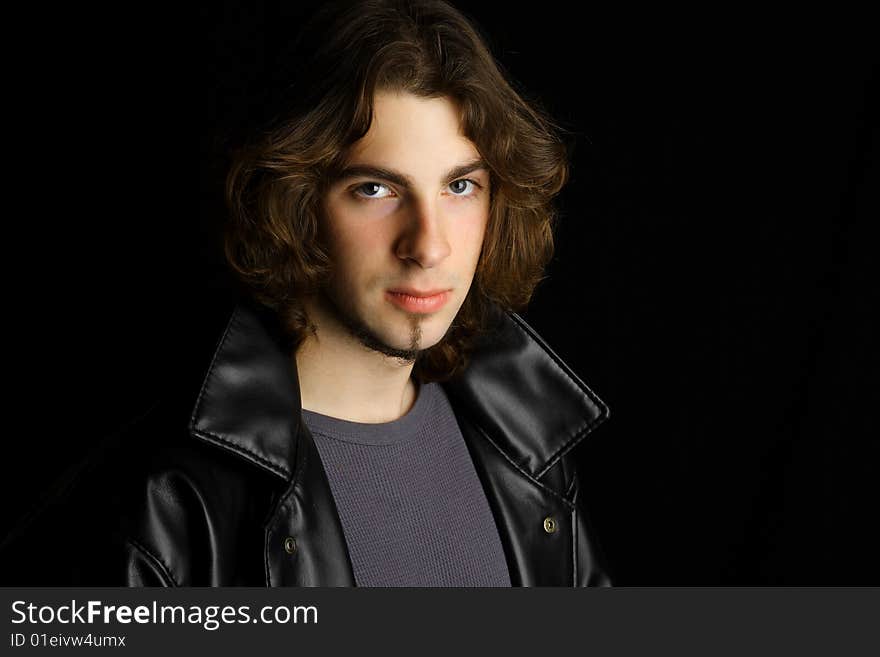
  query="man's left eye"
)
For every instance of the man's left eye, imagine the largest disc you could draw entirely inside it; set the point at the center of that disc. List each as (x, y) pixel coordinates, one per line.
(462, 187)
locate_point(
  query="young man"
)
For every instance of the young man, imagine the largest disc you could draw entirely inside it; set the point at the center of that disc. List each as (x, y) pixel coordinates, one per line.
(375, 413)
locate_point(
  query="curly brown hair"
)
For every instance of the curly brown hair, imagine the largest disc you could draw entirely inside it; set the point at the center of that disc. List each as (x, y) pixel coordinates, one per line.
(276, 182)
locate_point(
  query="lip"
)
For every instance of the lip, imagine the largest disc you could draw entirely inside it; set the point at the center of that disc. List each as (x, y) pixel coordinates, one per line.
(418, 293)
(418, 301)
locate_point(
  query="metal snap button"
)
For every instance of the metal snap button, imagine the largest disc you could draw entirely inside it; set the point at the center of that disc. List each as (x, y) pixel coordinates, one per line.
(549, 525)
(290, 545)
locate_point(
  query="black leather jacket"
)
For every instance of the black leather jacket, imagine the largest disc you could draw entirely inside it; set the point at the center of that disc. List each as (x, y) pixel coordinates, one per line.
(226, 487)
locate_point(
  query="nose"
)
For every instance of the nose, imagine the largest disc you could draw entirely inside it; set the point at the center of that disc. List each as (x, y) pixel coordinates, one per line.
(423, 239)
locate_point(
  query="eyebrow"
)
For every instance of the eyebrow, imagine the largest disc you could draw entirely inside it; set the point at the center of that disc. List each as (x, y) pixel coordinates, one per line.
(401, 179)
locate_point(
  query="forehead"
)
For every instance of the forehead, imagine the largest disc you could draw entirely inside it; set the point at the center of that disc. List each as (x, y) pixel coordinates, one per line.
(411, 132)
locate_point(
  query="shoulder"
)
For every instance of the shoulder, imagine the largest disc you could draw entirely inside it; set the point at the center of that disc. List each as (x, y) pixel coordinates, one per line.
(151, 506)
(180, 502)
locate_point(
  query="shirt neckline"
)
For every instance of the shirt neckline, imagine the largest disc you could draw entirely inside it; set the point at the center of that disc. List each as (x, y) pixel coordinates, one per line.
(370, 433)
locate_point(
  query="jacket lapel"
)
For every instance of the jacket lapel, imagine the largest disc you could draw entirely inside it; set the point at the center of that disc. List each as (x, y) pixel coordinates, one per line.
(526, 399)
(520, 409)
(250, 405)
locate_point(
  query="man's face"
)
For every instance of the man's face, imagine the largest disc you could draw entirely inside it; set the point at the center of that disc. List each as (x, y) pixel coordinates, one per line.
(408, 215)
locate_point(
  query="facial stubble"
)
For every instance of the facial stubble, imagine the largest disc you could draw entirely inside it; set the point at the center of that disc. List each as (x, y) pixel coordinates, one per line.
(362, 333)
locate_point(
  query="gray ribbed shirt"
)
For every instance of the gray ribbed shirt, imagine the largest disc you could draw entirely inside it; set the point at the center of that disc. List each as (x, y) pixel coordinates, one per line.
(411, 505)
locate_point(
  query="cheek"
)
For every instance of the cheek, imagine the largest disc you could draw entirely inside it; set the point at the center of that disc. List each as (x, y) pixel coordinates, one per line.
(357, 249)
(471, 222)
(352, 255)
(357, 243)
(352, 228)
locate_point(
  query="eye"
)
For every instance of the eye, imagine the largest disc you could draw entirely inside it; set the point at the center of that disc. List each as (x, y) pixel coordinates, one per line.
(372, 190)
(463, 187)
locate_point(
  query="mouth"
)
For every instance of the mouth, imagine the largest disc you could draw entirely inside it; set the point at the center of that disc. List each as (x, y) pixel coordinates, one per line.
(416, 301)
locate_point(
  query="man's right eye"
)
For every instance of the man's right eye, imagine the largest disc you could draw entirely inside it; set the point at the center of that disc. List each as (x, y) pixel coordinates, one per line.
(372, 190)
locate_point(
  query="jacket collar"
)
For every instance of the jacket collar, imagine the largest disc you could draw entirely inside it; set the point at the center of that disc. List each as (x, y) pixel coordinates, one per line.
(531, 404)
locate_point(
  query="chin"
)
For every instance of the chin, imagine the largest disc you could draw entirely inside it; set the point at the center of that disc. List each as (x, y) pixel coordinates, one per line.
(427, 337)
(430, 329)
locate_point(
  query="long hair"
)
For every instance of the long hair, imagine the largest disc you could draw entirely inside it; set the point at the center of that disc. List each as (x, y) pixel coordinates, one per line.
(276, 183)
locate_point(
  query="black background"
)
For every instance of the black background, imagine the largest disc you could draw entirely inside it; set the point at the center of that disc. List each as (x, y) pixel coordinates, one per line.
(713, 277)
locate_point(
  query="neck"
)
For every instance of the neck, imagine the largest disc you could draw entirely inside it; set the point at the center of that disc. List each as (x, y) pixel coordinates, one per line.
(340, 377)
